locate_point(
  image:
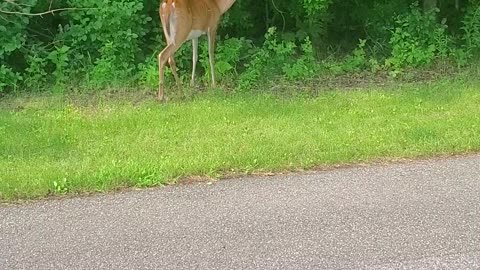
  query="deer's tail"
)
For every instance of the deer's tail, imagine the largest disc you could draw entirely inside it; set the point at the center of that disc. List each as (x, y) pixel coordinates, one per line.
(167, 8)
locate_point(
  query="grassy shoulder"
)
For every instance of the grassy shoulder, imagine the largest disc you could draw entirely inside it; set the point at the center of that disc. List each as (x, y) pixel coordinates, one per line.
(55, 145)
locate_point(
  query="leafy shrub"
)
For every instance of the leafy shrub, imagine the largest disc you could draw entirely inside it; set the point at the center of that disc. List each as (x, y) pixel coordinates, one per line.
(108, 71)
(461, 56)
(354, 62)
(279, 57)
(258, 63)
(110, 33)
(9, 80)
(228, 54)
(12, 28)
(304, 66)
(114, 42)
(148, 73)
(59, 58)
(35, 76)
(471, 28)
(316, 16)
(417, 39)
(12, 38)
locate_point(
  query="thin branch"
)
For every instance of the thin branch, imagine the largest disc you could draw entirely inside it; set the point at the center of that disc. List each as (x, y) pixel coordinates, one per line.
(3, 18)
(12, 2)
(42, 13)
(281, 13)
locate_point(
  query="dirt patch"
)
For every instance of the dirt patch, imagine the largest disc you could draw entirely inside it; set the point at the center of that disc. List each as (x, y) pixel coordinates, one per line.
(194, 180)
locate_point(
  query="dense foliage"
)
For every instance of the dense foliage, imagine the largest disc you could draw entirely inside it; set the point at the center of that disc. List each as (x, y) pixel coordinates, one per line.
(108, 43)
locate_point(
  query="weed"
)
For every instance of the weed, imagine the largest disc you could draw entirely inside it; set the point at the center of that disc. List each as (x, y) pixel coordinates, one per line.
(61, 187)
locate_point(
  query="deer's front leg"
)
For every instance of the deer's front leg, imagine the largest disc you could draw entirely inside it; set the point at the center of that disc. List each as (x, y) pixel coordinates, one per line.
(194, 60)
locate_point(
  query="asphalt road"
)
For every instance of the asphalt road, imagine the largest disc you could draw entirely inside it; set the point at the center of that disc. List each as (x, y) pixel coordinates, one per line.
(420, 215)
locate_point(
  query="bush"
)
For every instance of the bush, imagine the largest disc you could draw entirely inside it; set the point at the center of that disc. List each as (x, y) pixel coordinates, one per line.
(109, 43)
(279, 57)
(13, 30)
(471, 28)
(354, 62)
(110, 33)
(228, 55)
(35, 75)
(9, 80)
(417, 39)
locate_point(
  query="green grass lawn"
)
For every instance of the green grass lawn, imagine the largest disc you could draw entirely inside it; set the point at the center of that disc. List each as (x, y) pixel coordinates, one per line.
(110, 143)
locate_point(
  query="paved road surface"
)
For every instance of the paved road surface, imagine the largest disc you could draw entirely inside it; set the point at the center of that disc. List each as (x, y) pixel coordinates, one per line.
(423, 215)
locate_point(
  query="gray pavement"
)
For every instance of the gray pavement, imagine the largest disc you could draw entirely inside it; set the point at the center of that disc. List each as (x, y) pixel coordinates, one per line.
(420, 215)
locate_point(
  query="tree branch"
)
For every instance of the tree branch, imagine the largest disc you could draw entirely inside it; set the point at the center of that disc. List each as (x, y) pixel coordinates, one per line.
(52, 11)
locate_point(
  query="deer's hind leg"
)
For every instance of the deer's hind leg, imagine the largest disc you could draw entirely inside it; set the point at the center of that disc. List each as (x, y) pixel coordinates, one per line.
(163, 57)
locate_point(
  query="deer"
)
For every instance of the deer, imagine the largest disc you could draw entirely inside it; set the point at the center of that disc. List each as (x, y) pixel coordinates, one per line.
(184, 20)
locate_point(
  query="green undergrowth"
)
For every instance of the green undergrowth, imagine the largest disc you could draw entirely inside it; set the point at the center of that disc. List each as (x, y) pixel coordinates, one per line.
(59, 144)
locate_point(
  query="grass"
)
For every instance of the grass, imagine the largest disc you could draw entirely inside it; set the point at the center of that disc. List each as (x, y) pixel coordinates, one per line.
(55, 145)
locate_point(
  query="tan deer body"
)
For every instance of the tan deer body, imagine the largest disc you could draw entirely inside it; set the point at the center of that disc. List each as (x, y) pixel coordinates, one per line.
(187, 20)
